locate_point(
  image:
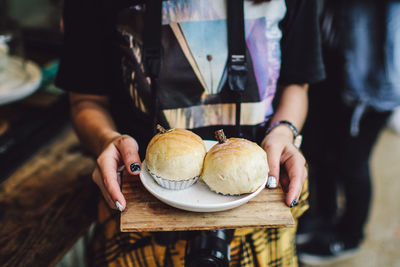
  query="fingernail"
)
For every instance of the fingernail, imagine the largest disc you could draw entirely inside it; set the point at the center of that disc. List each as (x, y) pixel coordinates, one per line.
(293, 203)
(118, 205)
(271, 182)
(135, 167)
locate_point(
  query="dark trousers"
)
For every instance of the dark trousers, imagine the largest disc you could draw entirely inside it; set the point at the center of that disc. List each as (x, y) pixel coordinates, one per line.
(339, 162)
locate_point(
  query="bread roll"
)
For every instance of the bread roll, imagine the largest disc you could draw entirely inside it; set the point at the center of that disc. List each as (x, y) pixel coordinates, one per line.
(175, 155)
(235, 167)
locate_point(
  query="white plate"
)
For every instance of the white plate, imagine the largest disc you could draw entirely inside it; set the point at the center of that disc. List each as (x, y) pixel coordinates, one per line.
(198, 197)
(19, 80)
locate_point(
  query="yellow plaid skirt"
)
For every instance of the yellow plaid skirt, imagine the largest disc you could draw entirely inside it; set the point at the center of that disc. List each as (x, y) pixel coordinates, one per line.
(249, 247)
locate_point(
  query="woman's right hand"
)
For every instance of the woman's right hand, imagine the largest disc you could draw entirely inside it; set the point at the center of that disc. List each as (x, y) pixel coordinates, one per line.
(121, 152)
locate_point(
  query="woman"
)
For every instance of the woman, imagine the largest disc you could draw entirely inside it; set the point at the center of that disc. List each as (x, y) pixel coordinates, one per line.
(113, 109)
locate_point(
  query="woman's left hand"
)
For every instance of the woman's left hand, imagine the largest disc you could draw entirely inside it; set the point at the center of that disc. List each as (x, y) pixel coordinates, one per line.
(286, 163)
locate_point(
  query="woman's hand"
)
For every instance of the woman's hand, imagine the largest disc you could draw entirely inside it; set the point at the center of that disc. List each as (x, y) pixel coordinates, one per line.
(120, 152)
(286, 163)
(97, 132)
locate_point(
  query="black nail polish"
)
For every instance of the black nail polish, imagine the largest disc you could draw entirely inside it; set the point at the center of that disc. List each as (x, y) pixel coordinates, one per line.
(293, 203)
(135, 167)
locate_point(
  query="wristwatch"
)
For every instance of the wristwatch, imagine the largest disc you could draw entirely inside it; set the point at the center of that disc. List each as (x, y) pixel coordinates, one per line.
(297, 138)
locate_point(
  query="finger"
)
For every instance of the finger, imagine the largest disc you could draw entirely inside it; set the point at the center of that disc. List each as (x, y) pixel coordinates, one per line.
(119, 179)
(296, 172)
(284, 180)
(96, 177)
(108, 165)
(274, 155)
(128, 148)
(294, 191)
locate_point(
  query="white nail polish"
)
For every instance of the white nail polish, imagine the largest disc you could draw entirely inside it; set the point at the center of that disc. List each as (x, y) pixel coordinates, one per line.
(271, 182)
(119, 206)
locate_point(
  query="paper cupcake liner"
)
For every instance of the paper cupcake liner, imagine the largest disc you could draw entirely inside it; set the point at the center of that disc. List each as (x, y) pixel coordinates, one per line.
(174, 185)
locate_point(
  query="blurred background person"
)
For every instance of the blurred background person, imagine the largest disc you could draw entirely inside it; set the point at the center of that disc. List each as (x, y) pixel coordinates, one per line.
(362, 57)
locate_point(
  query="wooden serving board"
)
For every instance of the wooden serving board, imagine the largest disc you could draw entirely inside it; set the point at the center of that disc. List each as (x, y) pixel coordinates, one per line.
(144, 212)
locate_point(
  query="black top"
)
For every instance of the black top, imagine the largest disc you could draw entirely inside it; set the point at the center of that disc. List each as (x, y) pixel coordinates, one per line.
(102, 51)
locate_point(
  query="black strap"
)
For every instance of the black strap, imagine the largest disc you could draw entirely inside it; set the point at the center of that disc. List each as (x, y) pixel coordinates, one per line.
(152, 52)
(237, 65)
(152, 38)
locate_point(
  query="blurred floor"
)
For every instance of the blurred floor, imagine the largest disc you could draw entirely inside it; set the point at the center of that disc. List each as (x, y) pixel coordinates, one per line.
(382, 244)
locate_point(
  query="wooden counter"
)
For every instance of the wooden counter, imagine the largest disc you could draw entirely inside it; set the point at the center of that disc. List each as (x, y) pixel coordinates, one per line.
(47, 204)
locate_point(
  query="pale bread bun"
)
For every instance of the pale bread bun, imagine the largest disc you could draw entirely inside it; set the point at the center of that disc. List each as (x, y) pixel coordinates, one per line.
(235, 167)
(176, 155)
